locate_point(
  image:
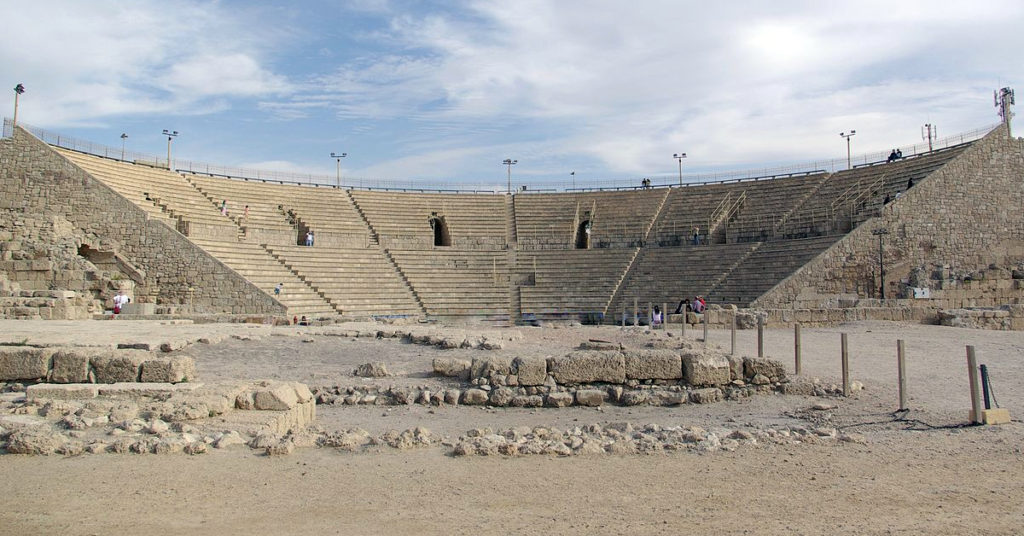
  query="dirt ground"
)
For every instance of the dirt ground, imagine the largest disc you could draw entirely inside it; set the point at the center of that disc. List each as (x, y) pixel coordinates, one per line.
(922, 472)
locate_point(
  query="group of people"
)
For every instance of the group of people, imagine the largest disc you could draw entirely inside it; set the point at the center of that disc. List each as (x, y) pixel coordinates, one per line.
(646, 183)
(698, 305)
(895, 155)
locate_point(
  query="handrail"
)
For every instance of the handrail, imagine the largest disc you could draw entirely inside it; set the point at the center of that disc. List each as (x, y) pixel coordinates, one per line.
(486, 187)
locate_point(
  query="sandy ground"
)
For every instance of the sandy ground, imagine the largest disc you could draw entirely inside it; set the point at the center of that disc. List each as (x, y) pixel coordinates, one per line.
(919, 473)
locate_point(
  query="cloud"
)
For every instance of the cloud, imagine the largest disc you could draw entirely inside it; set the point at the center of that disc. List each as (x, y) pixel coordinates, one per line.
(102, 59)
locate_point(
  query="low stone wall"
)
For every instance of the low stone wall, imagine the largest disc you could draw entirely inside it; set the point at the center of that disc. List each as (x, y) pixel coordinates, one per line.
(1010, 317)
(157, 418)
(586, 377)
(77, 365)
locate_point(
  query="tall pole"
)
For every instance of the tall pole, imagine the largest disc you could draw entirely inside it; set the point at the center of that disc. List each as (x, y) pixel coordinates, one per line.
(338, 157)
(124, 137)
(573, 174)
(680, 157)
(929, 130)
(18, 90)
(852, 133)
(509, 163)
(171, 134)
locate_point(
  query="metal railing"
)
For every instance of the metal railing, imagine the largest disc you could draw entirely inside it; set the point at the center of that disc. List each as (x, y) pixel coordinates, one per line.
(496, 187)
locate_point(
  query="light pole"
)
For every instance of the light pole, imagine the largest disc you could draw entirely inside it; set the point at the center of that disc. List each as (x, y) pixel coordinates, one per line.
(171, 134)
(509, 163)
(851, 134)
(880, 233)
(338, 157)
(573, 174)
(18, 90)
(123, 137)
(680, 157)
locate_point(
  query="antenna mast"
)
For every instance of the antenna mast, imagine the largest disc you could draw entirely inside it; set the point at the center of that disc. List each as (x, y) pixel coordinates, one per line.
(929, 131)
(1003, 100)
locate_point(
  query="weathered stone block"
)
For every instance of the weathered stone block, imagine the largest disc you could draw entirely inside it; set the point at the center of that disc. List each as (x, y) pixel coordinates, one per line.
(484, 367)
(452, 367)
(118, 366)
(559, 399)
(70, 366)
(72, 391)
(276, 396)
(706, 369)
(653, 365)
(588, 367)
(590, 397)
(474, 397)
(181, 368)
(502, 396)
(530, 370)
(770, 368)
(24, 363)
(735, 367)
(706, 396)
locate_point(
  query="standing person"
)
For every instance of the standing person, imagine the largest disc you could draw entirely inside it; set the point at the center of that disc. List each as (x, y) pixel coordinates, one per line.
(120, 301)
(656, 317)
(245, 216)
(696, 236)
(277, 289)
(224, 207)
(309, 238)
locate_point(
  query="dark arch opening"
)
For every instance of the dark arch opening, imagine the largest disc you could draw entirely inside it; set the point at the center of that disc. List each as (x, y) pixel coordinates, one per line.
(442, 238)
(583, 235)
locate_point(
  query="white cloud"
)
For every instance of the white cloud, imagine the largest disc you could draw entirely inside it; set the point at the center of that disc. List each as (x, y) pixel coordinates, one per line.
(87, 61)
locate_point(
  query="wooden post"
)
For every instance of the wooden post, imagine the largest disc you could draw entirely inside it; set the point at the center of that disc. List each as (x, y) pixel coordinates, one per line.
(664, 315)
(623, 315)
(796, 349)
(901, 366)
(650, 315)
(732, 349)
(636, 312)
(846, 364)
(707, 314)
(760, 336)
(972, 371)
(683, 334)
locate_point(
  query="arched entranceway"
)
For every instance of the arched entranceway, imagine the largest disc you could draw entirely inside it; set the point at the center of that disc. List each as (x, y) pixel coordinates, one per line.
(583, 235)
(442, 238)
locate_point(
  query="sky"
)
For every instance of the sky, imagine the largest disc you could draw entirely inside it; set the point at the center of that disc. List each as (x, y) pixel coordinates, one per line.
(594, 92)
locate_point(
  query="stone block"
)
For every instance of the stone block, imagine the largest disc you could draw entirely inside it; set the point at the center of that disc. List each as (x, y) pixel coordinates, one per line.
(24, 363)
(474, 397)
(67, 391)
(118, 366)
(653, 365)
(590, 397)
(530, 371)
(70, 366)
(703, 369)
(302, 392)
(559, 399)
(484, 367)
(588, 367)
(274, 396)
(452, 367)
(180, 368)
(770, 368)
(735, 367)
(706, 395)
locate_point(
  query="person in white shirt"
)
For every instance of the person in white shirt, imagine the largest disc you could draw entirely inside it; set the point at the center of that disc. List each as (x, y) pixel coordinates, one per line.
(120, 301)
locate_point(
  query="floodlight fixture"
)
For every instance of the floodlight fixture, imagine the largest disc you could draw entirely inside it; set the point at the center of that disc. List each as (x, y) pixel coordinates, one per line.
(848, 135)
(508, 162)
(124, 136)
(171, 134)
(680, 157)
(338, 157)
(18, 90)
